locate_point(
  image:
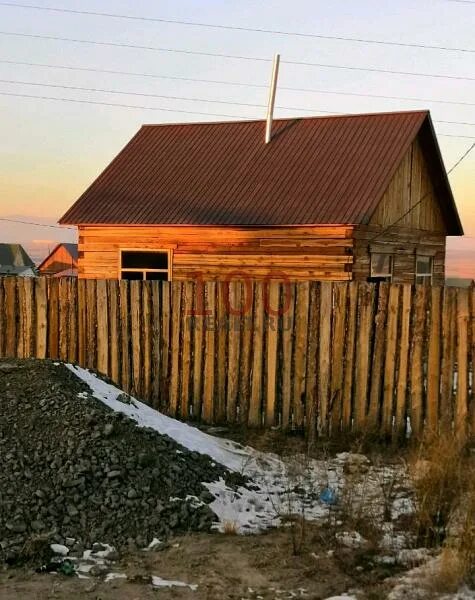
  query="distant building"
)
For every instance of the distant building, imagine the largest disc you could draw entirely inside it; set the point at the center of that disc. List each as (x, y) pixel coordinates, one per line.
(15, 261)
(61, 262)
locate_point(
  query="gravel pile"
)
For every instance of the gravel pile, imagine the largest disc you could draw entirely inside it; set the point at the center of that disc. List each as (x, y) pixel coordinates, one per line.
(72, 469)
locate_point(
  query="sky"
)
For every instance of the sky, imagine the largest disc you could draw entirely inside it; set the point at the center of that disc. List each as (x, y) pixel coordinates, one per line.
(51, 150)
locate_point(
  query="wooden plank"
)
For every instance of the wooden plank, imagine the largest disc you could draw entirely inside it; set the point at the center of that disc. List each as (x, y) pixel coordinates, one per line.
(166, 344)
(91, 324)
(461, 401)
(448, 359)
(136, 335)
(403, 365)
(64, 320)
(73, 320)
(125, 371)
(82, 322)
(311, 395)
(29, 331)
(20, 317)
(255, 406)
(350, 338)
(324, 358)
(210, 358)
(337, 354)
(245, 360)
(177, 289)
(272, 305)
(156, 343)
(186, 400)
(472, 361)
(2, 319)
(41, 302)
(10, 290)
(222, 340)
(366, 293)
(390, 359)
(417, 353)
(234, 344)
(197, 324)
(300, 357)
(146, 340)
(288, 321)
(102, 327)
(376, 386)
(53, 319)
(433, 361)
(114, 329)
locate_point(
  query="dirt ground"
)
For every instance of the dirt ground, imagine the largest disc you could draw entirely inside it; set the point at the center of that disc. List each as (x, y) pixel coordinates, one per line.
(225, 567)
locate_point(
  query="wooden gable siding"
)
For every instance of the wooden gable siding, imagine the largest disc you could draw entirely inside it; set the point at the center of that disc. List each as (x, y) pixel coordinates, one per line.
(411, 183)
(59, 260)
(298, 253)
(404, 245)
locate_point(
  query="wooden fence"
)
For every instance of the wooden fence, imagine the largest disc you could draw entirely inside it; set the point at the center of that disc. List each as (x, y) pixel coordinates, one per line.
(324, 357)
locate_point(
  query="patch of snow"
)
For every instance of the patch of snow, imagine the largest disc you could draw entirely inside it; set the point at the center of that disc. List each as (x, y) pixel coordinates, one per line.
(159, 582)
(155, 542)
(343, 597)
(59, 549)
(111, 576)
(350, 539)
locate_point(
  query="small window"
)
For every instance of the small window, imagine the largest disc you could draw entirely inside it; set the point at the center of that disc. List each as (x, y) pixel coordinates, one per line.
(381, 267)
(424, 266)
(145, 265)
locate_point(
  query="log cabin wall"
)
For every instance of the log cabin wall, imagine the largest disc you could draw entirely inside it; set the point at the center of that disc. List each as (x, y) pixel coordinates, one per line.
(297, 253)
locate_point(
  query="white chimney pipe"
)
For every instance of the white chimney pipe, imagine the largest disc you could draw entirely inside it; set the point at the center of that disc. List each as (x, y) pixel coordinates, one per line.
(272, 92)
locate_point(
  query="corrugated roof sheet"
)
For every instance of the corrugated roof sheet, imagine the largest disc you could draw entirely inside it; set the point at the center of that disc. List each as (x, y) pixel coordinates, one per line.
(315, 170)
(14, 255)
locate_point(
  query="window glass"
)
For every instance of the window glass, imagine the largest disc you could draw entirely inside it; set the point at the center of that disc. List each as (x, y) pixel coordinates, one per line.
(145, 264)
(132, 275)
(424, 267)
(381, 265)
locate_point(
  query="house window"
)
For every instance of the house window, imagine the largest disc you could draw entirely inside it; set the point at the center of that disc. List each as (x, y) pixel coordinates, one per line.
(424, 265)
(381, 267)
(145, 265)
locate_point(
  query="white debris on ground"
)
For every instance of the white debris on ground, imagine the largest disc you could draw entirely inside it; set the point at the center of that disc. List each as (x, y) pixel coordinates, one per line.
(158, 582)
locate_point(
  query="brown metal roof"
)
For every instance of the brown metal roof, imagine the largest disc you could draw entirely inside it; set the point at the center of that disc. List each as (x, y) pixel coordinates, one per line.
(315, 170)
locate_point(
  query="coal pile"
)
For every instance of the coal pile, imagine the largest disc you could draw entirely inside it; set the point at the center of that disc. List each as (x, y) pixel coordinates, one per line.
(72, 469)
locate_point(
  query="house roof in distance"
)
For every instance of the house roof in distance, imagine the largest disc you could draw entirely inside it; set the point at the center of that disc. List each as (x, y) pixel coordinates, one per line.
(14, 256)
(316, 170)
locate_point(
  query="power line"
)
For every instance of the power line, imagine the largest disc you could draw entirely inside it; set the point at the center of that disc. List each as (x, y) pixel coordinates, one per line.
(232, 83)
(36, 224)
(339, 38)
(156, 108)
(236, 56)
(460, 160)
(188, 99)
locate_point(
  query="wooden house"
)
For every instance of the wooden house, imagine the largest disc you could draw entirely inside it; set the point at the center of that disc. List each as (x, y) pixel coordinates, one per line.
(14, 261)
(61, 262)
(357, 197)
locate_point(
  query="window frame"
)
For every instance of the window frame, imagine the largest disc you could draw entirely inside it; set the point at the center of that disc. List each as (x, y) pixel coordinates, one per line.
(378, 276)
(145, 270)
(424, 276)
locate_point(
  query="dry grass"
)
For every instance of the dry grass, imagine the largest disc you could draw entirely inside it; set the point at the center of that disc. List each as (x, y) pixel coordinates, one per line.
(230, 527)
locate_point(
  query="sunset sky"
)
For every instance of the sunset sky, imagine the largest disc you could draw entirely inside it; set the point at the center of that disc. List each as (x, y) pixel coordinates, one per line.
(51, 150)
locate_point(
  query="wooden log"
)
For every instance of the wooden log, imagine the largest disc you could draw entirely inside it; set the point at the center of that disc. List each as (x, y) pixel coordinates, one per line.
(53, 319)
(472, 362)
(324, 358)
(64, 320)
(126, 378)
(246, 351)
(461, 401)
(2, 320)
(272, 317)
(20, 317)
(222, 340)
(146, 340)
(255, 407)
(10, 290)
(73, 320)
(41, 302)
(166, 345)
(417, 353)
(350, 339)
(210, 358)
(288, 322)
(156, 343)
(197, 325)
(82, 322)
(300, 356)
(185, 406)
(404, 347)
(311, 394)
(102, 327)
(177, 289)
(433, 361)
(338, 354)
(362, 362)
(234, 345)
(114, 329)
(377, 367)
(390, 359)
(448, 359)
(135, 336)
